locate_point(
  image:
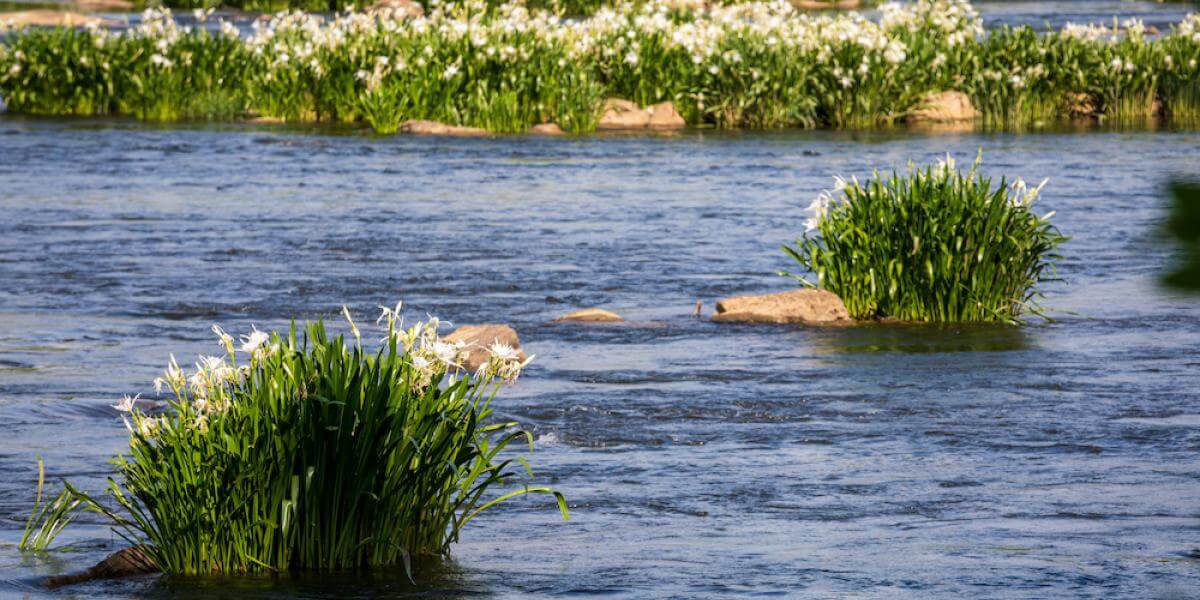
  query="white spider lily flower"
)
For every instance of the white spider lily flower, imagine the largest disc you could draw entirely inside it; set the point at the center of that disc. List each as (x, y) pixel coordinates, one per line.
(353, 327)
(127, 403)
(254, 340)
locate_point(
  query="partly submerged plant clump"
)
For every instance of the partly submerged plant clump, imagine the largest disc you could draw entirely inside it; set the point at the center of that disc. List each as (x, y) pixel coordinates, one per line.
(303, 451)
(506, 67)
(933, 245)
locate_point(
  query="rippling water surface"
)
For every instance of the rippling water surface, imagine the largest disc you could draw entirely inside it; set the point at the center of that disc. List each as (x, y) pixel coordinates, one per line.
(700, 460)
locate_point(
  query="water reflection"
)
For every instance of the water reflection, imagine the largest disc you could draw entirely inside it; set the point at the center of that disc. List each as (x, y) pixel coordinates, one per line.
(922, 338)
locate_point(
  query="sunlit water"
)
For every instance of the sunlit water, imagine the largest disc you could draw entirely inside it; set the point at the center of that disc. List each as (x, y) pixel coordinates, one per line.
(700, 460)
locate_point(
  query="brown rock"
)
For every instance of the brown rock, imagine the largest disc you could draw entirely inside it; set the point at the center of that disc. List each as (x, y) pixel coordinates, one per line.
(664, 116)
(122, 563)
(104, 5)
(826, 5)
(53, 18)
(547, 129)
(1079, 105)
(793, 306)
(479, 337)
(623, 114)
(417, 127)
(402, 9)
(591, 315)
(944, 107)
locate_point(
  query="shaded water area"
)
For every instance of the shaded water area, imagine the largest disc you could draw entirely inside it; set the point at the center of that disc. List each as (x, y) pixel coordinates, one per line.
(700, 460)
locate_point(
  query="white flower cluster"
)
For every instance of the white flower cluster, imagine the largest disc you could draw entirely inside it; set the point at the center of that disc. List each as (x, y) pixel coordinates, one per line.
(431, 357)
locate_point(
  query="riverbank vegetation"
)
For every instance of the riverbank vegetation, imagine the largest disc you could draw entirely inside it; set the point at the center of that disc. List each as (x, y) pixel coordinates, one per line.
(932, 244)
(506, 68)
(304, 451)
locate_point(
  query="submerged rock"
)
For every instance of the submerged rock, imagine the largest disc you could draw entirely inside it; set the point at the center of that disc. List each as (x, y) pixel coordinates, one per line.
(266, 120)
(590, 315)
(944, 107)
(547, 129)
(793, 306)
(53, 18)
(479, 337)
(418, 127)
(122, 563)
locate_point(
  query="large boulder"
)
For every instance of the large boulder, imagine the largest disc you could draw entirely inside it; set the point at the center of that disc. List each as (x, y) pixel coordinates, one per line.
(419, 127)
(591, 315)
(479, 338)
(793, 306)
(53, 18)
(944, 107)
(122, 563)
(664, 116)
(623, 114)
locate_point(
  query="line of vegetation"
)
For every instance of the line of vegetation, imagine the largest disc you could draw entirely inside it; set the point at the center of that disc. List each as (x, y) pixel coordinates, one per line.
(932, 245)
(505, 68)
(306, 452)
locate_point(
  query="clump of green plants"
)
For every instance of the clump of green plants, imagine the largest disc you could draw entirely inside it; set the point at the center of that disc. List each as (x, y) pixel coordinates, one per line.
(1184, 227)
(506, 66)
(932, 245)
(310, 452)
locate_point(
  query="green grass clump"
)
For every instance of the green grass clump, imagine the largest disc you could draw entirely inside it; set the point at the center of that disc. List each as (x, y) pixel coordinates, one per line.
(309, 452)
(933, 245)
(506, 66)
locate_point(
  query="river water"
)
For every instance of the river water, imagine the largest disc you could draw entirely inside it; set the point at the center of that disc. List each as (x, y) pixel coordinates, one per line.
(700, 460)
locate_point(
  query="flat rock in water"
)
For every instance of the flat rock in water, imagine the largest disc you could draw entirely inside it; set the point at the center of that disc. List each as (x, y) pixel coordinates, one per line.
(944, 107)
(547, 129)
(122, 563)
(793, 306)
(417, 127)
(479, 337)
(591, 315)
(53, 18)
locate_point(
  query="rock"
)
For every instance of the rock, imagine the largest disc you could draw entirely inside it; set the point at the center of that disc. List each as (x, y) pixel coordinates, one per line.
(793, 306)
(417, 127)
(824, 5)
(53, 18)
(623, 114)
(591, 315)
(1079, 105)
(944, 107)
(104, 5)
(664, 116)
(402, 9)
(479, 337)
(266, 120)
(547, 129)
(122, 563)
